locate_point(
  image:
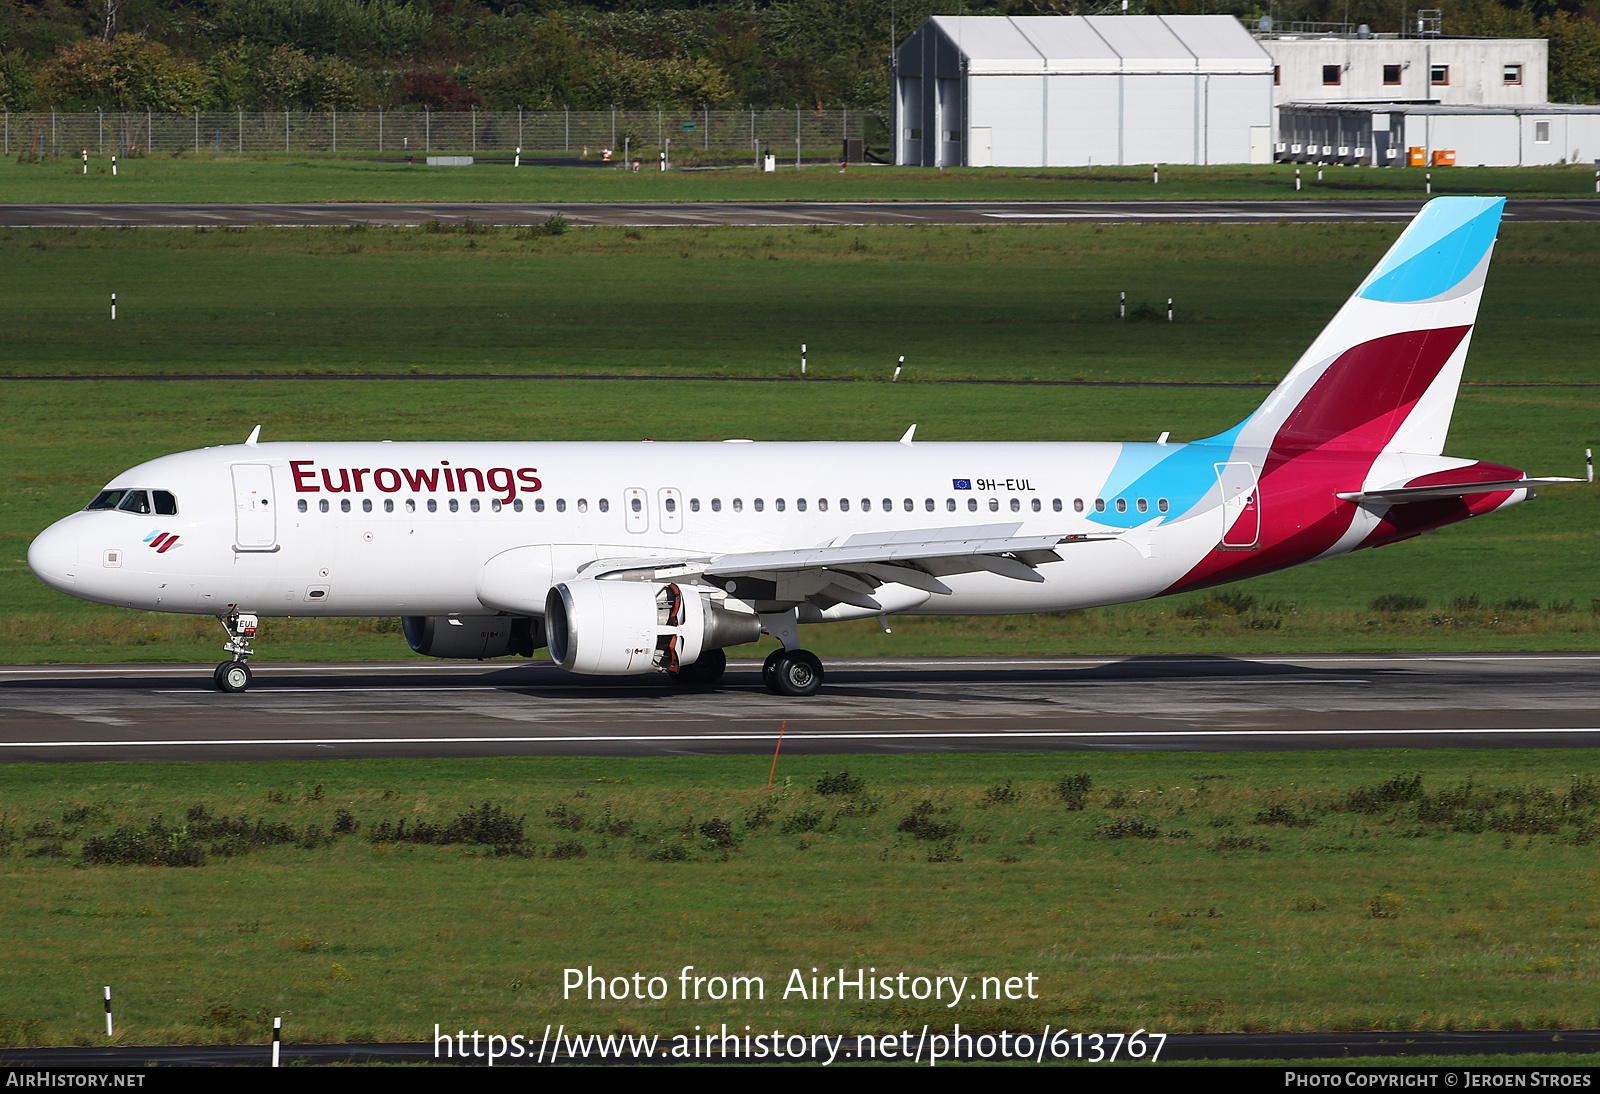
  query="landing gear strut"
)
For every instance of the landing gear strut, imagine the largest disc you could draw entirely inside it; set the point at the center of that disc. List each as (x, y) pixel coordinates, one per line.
(234, 676)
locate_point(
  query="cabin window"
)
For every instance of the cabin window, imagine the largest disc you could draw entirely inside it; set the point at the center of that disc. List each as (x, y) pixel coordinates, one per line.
(738, 505)
(950, 505)
(538, 505)
(716, 505)
(994, 505)
(388, 505)
(1056, 505)
(1016, 505)
(433, 506)
(1122, 505)
(779, 505)
(928, 504)
(694, 505)
(473, 504)
(166, 504)
(344, 505)
(322, 505)
(1161, 504)
(800, 504)
(494, 505)
(1077, 505)
(561, 505)
(759, 504)
(909, 505)
(605, 505)
(822, 505)
(636, 505)
(137, 501)
(1037, 505)
(516, 505)
(583, 505)
(1099, 505)
(106, 499)
(844, 505)
(455, 506)
(888, 505)
(301, 505)
(1143, 506)
(366, 505)
(411, 505)
(972, 505)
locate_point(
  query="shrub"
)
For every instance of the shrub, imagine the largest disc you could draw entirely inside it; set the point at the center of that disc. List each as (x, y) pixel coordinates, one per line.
(1241, 843)
(1284, 815)
(153, 845)
(842, 783)
(1376, 799)
(1519, 604)
(1126, 828)
(570, 849)
(921, 825)
(344, 822)
(1305, 902)
(1001, 794)
(1398, 602)
(760, 816)
(1386, 906)
(719, 833)
(83, 814)
(670, 851)
(566, 818)
(945, 852)
(488, 824)
(1074, 790)
(807, 820)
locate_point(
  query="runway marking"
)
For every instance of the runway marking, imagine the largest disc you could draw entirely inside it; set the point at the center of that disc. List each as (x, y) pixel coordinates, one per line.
(769, 736)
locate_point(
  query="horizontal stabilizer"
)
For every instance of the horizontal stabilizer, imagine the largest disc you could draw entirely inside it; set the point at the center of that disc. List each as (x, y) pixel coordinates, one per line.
(1397, 495)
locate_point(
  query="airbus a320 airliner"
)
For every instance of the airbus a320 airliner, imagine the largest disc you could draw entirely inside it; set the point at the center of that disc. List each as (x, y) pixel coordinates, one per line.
(629, 558)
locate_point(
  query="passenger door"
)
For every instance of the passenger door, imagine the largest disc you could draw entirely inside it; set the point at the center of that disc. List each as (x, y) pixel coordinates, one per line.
(671, 510)
(254, 508)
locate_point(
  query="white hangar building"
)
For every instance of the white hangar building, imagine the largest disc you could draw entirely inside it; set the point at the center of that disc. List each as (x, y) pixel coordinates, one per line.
(1068, 91)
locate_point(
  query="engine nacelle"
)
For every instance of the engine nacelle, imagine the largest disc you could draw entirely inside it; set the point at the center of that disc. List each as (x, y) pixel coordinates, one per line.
(473, 637)
(620, 628)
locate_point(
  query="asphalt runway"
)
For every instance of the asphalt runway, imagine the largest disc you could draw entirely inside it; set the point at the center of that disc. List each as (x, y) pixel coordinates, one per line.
(748, 214)
(325, 711)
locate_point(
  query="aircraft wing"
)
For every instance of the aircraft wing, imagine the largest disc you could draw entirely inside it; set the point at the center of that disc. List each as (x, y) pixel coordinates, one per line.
(848, 571)
(1396, 495)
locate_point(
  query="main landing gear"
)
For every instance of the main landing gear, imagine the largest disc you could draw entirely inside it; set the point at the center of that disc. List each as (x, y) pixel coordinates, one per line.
(792, 672)
(234, 676)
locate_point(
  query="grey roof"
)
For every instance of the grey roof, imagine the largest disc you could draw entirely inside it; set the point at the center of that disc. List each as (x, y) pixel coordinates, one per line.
(1103, 43)
(1443, 108)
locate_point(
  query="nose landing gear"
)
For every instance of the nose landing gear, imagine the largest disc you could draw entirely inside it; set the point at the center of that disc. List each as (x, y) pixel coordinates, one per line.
(234, 676)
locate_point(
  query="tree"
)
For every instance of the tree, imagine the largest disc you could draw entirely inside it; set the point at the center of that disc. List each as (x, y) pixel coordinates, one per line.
(128, 73)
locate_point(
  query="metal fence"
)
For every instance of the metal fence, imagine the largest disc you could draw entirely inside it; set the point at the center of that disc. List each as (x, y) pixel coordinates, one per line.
(784, 133)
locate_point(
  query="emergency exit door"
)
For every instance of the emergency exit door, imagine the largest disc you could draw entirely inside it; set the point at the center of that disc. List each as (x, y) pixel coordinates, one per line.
(254, 508)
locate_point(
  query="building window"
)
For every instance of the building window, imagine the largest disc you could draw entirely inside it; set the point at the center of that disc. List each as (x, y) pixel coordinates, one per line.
(1391, 74)
(914, 134)
(1277, 75)
(1511, 74)
(1439, 75)
(1541, 132)
(1330, 75)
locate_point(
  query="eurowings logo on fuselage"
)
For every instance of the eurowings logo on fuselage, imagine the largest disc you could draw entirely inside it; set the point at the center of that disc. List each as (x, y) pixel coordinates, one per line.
(161, 541)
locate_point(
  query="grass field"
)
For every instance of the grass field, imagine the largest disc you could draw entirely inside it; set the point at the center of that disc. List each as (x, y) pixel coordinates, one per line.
(1004, 303)
(185, 178)
(1172, 892)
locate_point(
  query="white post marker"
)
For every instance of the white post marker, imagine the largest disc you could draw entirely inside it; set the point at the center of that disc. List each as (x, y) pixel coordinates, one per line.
(108, 1010)
(1427, 182)
(85, 161)
(277, 1035)
(802, 358)
(518, 162)
(1597, 182)
(1319, 170)
(114, 167)
(1122, 308)
(1155, 169)
(113, 315)
(1169, 309)
(1588, 462)
(1297, 178)
(898, 367)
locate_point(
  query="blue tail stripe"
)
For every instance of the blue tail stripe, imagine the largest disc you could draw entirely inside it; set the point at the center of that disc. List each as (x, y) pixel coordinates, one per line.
(1443, 245)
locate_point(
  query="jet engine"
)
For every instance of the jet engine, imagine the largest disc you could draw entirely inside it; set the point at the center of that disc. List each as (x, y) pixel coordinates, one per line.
(473, 637)
(619, 628)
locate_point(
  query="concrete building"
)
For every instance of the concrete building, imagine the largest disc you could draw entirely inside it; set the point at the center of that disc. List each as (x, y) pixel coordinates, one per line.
(1452, 71)
(1381, 134)
(1059, 91)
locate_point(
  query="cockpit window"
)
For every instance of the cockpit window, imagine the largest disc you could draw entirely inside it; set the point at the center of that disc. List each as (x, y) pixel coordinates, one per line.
(106, 499)
(166, 504)
(137, 501)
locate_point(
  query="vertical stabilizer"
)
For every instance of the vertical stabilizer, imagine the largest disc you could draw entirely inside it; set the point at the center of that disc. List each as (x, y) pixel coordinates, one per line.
(1383, 375)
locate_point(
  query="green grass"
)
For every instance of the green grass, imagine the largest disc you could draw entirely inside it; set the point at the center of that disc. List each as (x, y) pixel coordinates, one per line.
(1003, 303)
(1246, 892)
(298, 178)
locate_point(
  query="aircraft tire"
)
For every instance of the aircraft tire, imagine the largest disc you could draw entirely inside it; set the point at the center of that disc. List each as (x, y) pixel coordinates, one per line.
(232, 676)
(769, 667)
(797, 673)
(704, 673)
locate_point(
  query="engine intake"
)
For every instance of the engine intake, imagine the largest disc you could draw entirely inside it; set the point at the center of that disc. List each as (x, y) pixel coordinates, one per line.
(621, 628)
(473, 637)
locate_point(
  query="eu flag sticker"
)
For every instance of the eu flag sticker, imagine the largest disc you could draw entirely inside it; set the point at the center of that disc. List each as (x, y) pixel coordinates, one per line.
(961, 484)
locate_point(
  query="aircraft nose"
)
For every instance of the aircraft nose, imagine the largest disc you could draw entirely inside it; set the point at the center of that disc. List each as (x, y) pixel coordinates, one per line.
(53, 556)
